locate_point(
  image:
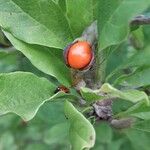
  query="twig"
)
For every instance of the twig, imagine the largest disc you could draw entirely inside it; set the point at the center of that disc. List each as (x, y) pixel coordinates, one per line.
(140, 20)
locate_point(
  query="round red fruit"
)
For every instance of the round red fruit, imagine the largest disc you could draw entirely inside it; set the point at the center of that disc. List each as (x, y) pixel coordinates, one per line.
(79, 55)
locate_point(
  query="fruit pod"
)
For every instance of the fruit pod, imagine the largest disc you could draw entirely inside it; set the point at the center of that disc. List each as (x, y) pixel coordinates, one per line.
(90, 34)
(79, 55)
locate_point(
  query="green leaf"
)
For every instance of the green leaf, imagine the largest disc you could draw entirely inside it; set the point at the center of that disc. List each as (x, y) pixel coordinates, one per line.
(57, 134)
(38, 146)
(51, 109)
(117, 57)
(139, 59)
(104, 133)
(120, 105)
(114, 17)
(116, 145)
(36, 22)
(23, 93)
(56, 1)
(137, 38)
(45, 59)
(142, 115)
(139, 98)
(82, 134)
(80, 14)
(137, 79)
(105, 137)
(6, 141)
(146, 30)
(130, 95)
(8, 121)
(142, 112)
(3, 40)
(107, 91)
(62, 4)
(138, 139)
(90, 95)
(142, 126)
(8, 60)
(139, 110)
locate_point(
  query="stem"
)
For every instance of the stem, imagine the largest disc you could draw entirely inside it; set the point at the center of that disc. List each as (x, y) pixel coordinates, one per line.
(94, 119)
(87, 109)
(140, 20)
(90, 33)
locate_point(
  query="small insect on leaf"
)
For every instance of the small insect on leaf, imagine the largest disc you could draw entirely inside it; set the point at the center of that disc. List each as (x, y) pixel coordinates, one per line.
(62, 88)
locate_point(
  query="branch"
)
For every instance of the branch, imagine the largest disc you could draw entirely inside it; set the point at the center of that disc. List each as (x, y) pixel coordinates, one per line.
(140, 20)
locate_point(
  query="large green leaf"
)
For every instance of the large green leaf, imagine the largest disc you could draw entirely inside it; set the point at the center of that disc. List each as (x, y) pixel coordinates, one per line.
(57, 134)
(137, 79)
(51, 110)
(45, 59)
(138, 110)
(139, 59)
(8, 121)
(130, 95)
(82, 134)
(23, 93)
(105, 137)
(104, 131)
(120, 105)
(142, 126)
(62, 4)
(8, 60)
(80, 14)
(114, 17)
(117, 57)
(138, 139)
(6, 141)
(145, 114)
(36, 22)
(107, 91)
